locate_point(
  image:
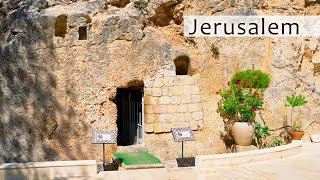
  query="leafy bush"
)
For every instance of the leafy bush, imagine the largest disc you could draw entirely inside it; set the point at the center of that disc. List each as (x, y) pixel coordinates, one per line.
(276, 142)
(251, 78)
(261, 133)
(241, 101)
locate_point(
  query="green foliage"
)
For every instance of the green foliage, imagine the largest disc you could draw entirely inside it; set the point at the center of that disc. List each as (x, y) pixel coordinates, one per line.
(261, 132)
(214, 50)
(276, 142)
(240, 103)
(251, 78)
(140, 4)
(294, 101)
(297, 127)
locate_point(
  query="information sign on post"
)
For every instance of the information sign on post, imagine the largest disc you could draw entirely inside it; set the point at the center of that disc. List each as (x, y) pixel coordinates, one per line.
(103, 137)
(182, 134)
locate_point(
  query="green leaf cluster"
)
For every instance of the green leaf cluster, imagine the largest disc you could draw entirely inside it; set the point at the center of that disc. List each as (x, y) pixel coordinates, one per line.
(261, 131)
(276, 142)
(294, 101)
(251, 78)
(240, 103)
(297, 127)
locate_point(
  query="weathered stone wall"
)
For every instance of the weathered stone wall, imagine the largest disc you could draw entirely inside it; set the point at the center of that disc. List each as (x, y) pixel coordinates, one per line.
(55, 90)
(172, 101)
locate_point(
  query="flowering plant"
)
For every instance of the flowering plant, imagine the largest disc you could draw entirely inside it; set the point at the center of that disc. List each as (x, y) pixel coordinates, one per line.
(241, 101)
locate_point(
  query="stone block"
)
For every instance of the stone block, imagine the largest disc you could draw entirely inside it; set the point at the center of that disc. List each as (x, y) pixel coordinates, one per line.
(156, 92)
(148, 91)
(164, 100)
(168, 81)
(197, 116)
(169, 73)
(149, 128)
(157, 128)
(173, 108)
(183, 108)
(166, 91)
(177, 90)
(315, 138)
(193, 125)
(150, 100)
(188, 80)
(160, 109)
(148, 109)
(175, 99)
(186, 99)
(162, 118)
(187, 89)
(188, 117)
(166, 127)
(150, 118)
(179, 117)
(196, 99)
(184, 80)
(148, 84)
(193, 107)
(238, 148)
(170, 118)
(195, 90)
(158, 83)
(200, 125)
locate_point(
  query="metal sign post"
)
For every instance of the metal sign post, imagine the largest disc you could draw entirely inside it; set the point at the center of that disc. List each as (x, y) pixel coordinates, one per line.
(181, 135)
(103, 137)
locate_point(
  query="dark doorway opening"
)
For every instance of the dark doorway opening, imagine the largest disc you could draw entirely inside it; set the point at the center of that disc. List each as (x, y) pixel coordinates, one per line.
(130, 116)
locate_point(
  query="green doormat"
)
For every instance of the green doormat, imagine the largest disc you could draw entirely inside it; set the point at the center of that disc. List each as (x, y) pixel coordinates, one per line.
(136, 158)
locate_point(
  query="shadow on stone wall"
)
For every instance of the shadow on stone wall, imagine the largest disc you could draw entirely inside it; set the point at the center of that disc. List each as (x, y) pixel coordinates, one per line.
(30, 112)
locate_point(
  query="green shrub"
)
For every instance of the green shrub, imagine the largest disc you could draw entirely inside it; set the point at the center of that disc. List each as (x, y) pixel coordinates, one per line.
(261, 133)
(251, 78)
(241, 101)
(276, 142)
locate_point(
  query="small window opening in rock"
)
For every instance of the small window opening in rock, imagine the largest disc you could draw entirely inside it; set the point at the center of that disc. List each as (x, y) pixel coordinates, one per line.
(61, 26)
(182, 65)
(82, 33)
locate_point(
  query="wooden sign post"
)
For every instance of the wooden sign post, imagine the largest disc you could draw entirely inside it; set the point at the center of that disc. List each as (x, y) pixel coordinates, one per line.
(103, 137)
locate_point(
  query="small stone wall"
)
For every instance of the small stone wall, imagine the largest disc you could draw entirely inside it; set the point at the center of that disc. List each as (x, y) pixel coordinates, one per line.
(172, 101)
(48, 170)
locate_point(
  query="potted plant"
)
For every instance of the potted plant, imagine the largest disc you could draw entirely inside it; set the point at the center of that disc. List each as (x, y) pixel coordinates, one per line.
(240, 102)
(293, 101)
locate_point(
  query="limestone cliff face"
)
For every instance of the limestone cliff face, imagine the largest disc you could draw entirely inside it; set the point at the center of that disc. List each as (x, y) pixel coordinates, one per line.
(62, 62)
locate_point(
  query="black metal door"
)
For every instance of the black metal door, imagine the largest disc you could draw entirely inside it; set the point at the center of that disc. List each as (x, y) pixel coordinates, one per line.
(130, 116)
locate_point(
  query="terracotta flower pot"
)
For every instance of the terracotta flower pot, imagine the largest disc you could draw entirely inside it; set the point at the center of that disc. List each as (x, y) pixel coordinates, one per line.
(243, 133)
(296, 135)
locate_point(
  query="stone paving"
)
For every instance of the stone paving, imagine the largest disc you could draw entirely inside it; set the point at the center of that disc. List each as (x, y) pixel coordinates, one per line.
(302, 166)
